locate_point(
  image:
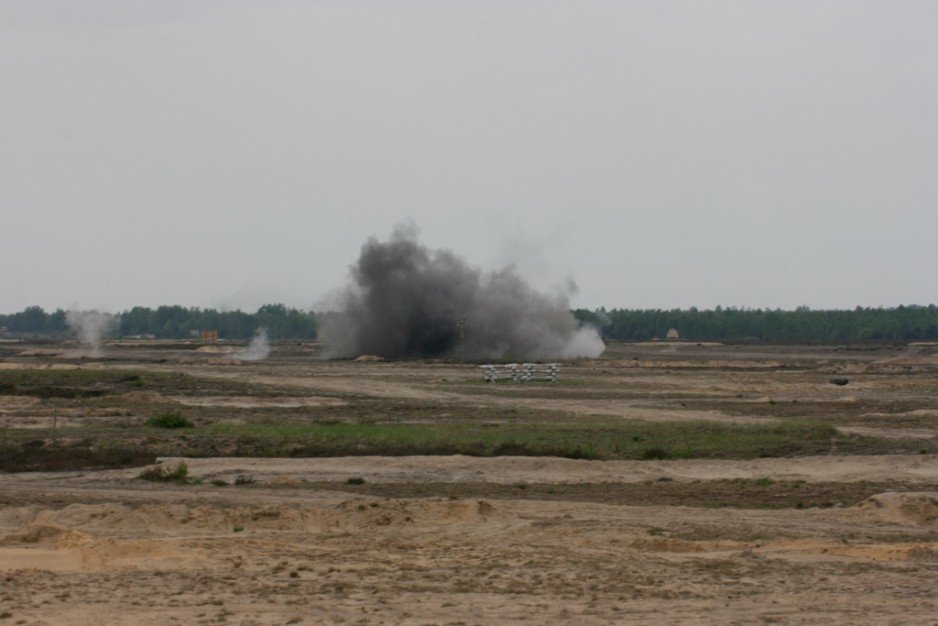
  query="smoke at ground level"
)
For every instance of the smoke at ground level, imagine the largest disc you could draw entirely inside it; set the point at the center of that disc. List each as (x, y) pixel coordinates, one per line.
(406, 300)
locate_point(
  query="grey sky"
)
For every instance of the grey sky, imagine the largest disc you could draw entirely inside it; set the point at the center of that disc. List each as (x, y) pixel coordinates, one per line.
(659, 153)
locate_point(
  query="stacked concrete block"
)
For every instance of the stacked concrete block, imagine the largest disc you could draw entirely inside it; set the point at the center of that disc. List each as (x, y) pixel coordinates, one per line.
(526, 372)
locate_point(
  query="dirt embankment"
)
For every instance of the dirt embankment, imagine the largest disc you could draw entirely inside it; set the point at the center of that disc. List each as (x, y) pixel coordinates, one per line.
(264, 558)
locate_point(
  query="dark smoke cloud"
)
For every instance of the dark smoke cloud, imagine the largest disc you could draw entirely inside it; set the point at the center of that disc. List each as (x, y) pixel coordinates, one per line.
(405, 300)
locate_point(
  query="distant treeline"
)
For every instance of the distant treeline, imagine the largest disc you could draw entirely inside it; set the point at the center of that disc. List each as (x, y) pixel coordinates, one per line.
(177, 322)
(903, 323)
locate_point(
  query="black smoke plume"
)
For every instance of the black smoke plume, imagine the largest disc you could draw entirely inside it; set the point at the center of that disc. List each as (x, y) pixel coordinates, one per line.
(407, 301)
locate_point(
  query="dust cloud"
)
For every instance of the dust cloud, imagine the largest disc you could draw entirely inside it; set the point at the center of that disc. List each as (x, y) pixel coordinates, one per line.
(258, 349)
(91, 326)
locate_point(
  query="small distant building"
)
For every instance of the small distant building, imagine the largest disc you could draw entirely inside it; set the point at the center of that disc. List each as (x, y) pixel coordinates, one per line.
(673, 335)
(209, 336)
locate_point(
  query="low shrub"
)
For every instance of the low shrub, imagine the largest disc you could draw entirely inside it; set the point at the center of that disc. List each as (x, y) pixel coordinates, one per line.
(170, 419)
(655, 453)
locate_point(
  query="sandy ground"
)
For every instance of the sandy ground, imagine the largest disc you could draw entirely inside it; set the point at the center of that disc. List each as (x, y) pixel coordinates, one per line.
(104, 547)
(509, 470)
(246, 402)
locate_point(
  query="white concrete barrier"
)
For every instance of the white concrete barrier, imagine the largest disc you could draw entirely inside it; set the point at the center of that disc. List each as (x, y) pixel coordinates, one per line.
(525, 372)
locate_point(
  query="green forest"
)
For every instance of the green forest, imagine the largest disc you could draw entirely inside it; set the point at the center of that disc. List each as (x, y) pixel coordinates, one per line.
(902, 323)
(176, 322)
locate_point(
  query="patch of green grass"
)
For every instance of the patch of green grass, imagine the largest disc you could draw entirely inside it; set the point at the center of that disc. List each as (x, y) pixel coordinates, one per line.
(655, 453)
(170, 419)
(87, 383)
(69, 393)
(68, 384)
(40, 455)
(628, 440)
(65, 377)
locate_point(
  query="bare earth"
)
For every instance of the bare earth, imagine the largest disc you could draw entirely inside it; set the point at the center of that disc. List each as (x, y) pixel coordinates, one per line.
(513, 469)
(103, 547)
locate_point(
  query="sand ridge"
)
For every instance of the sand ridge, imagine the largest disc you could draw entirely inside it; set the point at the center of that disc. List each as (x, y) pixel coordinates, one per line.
(508, 469)
(431, 560)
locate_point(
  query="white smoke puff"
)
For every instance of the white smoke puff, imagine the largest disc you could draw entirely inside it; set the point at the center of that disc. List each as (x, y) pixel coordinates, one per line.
(258, 349)
(91, 326)
(585, 342)
(409, 301)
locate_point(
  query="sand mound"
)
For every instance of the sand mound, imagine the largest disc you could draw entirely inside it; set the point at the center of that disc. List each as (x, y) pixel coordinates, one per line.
(249, 402)
(360, 514)
(34, 533)
(32, 525)
(51, 547)
(822, 549)
(918, 508)
(37, 525)
(915, 413)
(103, 553)
(14, 517)
(38, 353)
(923, 553)
(208, 361)
(666, 544)
(217, 349)
(369, 358)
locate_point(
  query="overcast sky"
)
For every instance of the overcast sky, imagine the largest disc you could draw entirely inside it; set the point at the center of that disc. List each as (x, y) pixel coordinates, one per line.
(660, 154)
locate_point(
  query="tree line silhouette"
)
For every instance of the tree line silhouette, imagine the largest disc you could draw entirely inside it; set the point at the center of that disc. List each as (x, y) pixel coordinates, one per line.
(902, 323)
(177, 322)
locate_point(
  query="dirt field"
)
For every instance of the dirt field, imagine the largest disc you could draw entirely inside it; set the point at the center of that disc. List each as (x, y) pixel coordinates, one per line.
(663, 483)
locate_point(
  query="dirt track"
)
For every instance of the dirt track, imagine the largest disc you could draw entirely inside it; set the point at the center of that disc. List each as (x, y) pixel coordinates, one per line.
(553, 470)
(353, 383)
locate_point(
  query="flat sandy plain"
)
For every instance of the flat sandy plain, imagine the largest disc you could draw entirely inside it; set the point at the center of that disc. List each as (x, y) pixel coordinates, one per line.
(640, 519)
